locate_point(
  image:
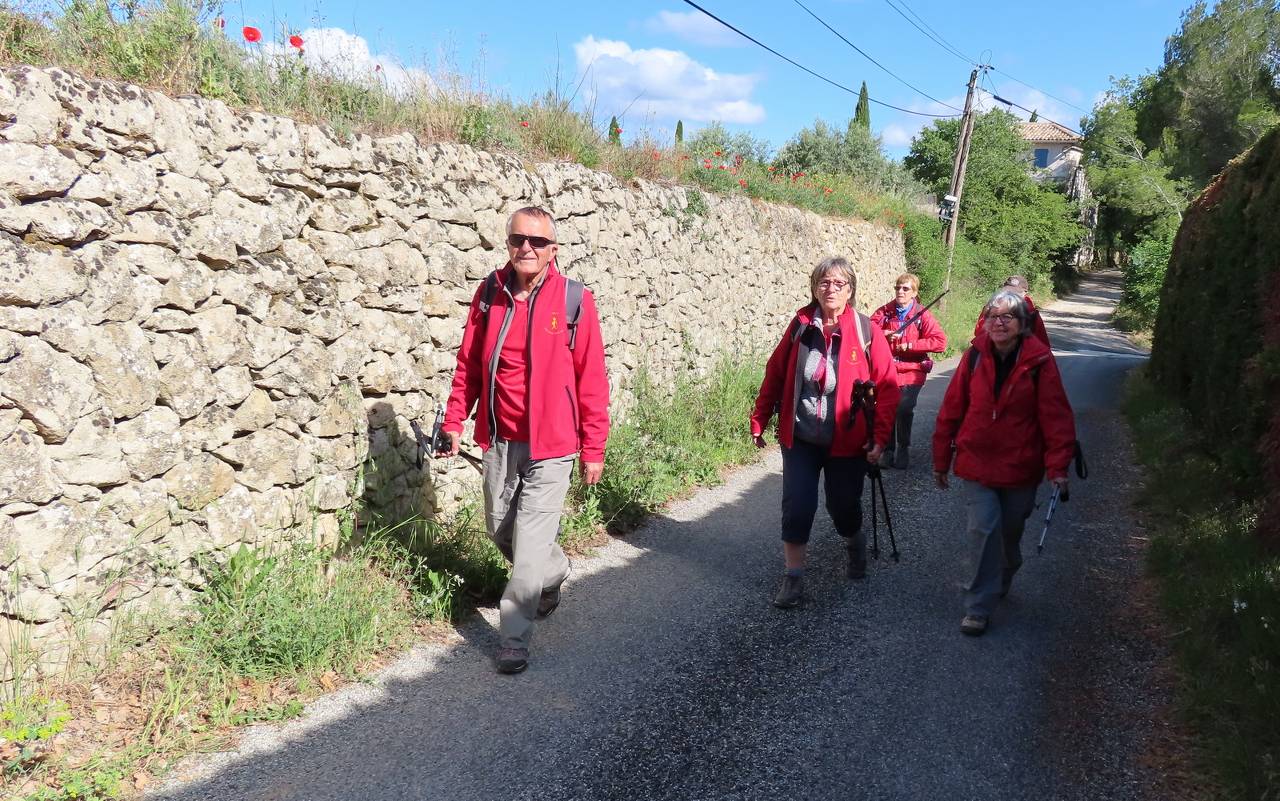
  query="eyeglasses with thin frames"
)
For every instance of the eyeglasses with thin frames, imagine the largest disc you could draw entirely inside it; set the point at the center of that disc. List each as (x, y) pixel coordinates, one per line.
(1005, 318)
(905, 288)
(536, 242)
(836, 285)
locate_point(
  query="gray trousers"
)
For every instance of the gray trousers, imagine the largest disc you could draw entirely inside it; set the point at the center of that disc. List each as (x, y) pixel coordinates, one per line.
(523, 499)
(996, 520)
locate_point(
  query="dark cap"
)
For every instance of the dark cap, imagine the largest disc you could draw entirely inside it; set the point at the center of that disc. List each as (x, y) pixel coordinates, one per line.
(1016, 282)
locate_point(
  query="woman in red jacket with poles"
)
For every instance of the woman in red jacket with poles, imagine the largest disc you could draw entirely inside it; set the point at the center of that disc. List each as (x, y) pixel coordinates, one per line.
(911, 347)
(1007, 421)
(828, 352)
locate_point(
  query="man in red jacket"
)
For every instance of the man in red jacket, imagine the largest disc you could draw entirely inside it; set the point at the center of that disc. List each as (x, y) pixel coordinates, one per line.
(532, 361)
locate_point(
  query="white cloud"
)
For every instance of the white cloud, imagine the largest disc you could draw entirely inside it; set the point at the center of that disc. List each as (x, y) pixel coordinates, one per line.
(347, 56)
(695, 27)
(896, 135)
(667, 84)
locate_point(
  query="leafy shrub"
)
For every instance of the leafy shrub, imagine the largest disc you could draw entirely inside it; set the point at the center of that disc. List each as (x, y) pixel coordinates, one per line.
(1144, 276)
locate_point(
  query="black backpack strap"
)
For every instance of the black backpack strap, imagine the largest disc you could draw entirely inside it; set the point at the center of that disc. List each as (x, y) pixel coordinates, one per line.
(971, 358)
(573, 307)
(486, 295)
(864, 328)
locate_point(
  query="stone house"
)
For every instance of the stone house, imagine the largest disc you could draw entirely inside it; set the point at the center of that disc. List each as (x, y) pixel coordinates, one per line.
(1055, 156)
(1055, 151)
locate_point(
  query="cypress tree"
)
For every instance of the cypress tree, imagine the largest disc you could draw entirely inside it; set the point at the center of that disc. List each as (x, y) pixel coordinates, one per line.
(862, 113)
(1034, 116)
(679, 133)
(615, 133)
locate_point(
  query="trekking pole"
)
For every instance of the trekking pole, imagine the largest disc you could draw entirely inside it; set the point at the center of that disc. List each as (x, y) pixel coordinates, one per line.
(1053, 506)
(888, 522)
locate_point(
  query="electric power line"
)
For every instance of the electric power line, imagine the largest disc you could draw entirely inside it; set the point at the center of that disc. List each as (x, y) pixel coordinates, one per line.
(937, 39)
(1043, 92)
(863, 53)
(798, 65)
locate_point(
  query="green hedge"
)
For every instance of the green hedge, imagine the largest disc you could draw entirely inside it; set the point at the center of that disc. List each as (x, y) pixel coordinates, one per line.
(1217, 335)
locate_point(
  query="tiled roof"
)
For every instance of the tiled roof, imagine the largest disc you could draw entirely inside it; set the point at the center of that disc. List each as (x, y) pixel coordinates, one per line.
(1047, 132)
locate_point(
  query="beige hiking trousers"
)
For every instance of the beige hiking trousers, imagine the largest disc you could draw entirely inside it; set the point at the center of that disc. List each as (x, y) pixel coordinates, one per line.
(523, 499)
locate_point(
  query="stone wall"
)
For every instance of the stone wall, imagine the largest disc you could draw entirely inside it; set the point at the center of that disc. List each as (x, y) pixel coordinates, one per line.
(215, 326)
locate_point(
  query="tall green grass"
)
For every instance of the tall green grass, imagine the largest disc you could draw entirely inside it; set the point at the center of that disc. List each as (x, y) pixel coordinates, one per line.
(669, 441)
(1220, 589)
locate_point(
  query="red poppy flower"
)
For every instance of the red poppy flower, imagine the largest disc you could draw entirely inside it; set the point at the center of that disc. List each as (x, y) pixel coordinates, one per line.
(295, 41)
(742, 182)
(902, 225)
(524, 123)
(251, 35)
(656, 155)
(617, 130)
(722, 166)
(717, 152)
(771, 169)
(220, 23)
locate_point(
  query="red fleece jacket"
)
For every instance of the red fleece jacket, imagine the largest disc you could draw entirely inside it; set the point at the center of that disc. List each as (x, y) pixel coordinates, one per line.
(567, 397)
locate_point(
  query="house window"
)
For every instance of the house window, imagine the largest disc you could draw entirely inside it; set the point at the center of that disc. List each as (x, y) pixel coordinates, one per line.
(1042, 157)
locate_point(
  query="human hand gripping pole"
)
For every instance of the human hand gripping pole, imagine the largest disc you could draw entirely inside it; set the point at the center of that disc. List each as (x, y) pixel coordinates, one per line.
(441, 445)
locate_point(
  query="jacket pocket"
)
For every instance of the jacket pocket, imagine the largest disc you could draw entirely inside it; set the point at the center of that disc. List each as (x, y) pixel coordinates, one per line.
(573, 410)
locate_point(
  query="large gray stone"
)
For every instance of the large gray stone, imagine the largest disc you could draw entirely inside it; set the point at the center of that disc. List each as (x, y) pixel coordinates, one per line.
(186, 384)
(26, 471)
(34, 172)
(150, 442)
(124, 372)
(199, 481)
(50, 388)
(269, 458)
(91, 454)
(34, 277)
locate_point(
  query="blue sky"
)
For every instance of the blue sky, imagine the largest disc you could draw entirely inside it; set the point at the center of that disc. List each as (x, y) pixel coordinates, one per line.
(655, 61)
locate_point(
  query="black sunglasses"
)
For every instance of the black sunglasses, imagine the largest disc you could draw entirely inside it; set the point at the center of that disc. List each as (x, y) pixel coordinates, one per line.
(536, 242)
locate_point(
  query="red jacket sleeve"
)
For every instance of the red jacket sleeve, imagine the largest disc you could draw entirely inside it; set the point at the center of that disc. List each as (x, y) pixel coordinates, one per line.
(592, 382)
(468, 375)
(885, 375)
(954, 405)
(1057, 421)
(771, 387)
(932, 338)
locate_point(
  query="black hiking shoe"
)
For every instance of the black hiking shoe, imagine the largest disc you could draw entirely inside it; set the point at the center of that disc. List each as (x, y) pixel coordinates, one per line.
(512, 660)
(548, 602)
(856, 567)
(791, 594)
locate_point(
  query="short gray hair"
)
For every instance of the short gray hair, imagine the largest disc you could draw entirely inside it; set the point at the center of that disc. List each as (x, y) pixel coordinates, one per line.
(537, 212)
(1011, 301)
(828, 265)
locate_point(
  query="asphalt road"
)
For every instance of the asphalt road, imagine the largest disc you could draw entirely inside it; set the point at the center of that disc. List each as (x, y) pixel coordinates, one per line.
(667, 674)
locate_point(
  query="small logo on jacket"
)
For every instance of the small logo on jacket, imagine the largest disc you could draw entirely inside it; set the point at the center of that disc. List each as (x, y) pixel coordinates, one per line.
(555, 324)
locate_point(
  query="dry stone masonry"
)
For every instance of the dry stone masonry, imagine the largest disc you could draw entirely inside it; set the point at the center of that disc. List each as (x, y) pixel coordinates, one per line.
(215, 326)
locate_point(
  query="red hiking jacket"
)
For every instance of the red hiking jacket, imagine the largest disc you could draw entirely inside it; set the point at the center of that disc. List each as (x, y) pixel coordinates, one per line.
(781, 379)
(925, 336)
(568, 391)
(1013, 440)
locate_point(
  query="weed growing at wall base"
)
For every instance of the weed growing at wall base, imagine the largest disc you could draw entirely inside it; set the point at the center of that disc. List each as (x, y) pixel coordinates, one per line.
(1220, 589)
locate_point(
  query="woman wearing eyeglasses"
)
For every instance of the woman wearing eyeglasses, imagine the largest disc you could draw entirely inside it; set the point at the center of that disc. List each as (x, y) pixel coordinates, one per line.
(911, 342)
(828, 353)
(1006, 421)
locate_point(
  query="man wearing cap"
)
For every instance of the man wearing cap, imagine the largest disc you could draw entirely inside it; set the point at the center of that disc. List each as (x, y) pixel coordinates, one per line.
(1017, 283)
(532, 360)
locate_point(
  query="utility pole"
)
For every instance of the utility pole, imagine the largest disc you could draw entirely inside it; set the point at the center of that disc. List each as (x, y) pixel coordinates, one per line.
(957, 175)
